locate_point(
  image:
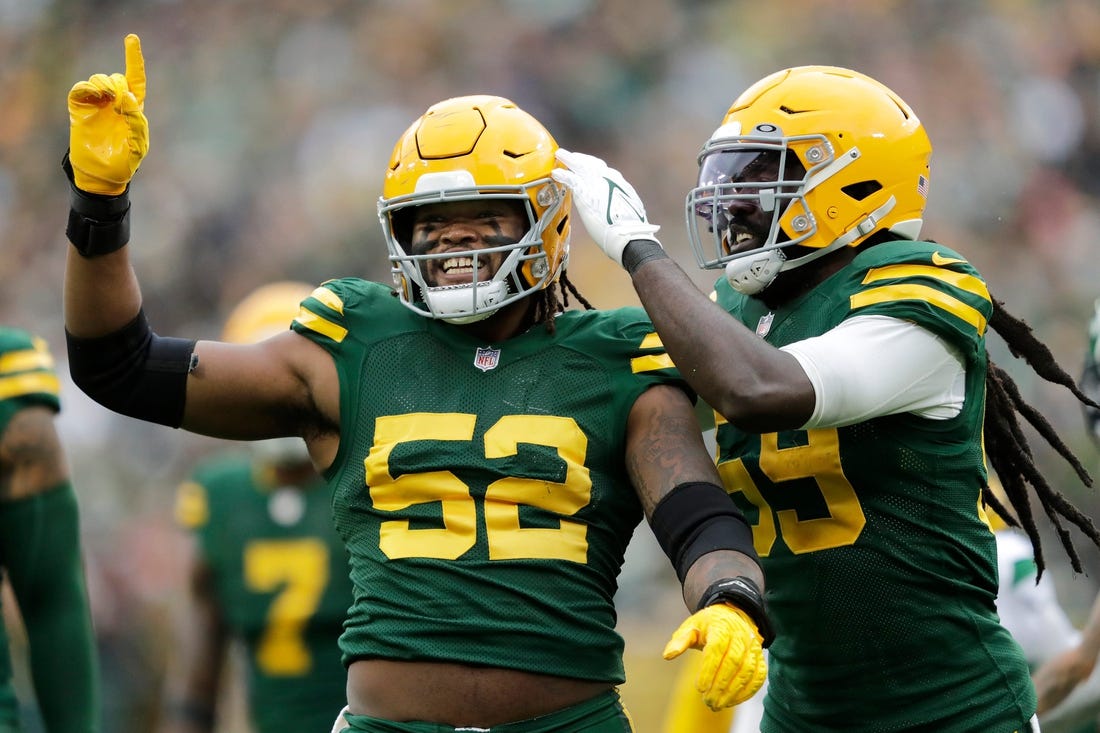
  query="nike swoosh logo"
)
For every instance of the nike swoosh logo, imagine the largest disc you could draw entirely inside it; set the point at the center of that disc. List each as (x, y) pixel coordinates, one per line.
(939, 260)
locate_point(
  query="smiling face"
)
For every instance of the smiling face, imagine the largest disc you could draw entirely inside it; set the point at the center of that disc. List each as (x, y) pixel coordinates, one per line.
(457, 234)
(472, 175)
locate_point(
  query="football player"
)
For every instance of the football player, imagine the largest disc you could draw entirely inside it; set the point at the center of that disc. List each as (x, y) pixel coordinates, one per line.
(268, 570)
(486, 500)
(1061, 657)
(846, 362)
(40, 554)
(1068, 681)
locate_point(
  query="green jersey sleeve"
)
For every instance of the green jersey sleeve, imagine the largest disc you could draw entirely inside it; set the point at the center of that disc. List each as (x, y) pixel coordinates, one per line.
(922, 282)
(928, 284)
(27, 375)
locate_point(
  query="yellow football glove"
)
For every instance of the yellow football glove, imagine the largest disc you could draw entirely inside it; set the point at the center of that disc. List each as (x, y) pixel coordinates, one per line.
(733, 667)
(108, 132)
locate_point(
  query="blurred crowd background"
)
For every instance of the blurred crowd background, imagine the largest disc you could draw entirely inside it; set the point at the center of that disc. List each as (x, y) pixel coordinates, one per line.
(272, 122)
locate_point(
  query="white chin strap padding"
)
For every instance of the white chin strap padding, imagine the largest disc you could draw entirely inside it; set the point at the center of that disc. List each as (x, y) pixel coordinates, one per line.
(457, 304)
(750, 274)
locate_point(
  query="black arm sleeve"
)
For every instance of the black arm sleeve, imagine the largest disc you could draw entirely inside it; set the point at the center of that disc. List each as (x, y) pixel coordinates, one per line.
(696, 518)
(133, 371)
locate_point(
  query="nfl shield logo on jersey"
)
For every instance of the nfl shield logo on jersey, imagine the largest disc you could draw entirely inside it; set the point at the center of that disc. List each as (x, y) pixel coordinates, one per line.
(486, 358)
(764, 325)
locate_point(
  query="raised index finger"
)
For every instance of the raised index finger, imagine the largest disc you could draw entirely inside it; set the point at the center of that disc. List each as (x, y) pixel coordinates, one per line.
(135, 68)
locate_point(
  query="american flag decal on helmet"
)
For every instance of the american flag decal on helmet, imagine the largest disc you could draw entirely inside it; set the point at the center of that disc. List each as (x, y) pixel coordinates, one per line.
(922, 186)
(486, 358)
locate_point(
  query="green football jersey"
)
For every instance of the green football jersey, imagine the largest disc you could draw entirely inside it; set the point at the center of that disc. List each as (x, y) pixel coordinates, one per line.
(281, 579)
(481, 488)
(27, 378)
(881, 568)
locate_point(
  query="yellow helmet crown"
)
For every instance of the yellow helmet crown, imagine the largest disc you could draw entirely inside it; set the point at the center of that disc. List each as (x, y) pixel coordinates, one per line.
(265, 311)
(462, 149)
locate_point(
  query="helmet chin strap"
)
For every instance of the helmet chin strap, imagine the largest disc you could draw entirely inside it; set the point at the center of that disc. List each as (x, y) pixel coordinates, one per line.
(750, 274)
(457, 299)
(452, 303)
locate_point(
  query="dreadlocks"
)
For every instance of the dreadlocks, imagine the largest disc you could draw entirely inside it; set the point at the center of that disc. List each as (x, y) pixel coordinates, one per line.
(554, 299)
(1009, 451)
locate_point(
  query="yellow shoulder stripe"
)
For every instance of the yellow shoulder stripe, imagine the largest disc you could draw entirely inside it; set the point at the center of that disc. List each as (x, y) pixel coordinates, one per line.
(25, 360)
(651, 363)
(913, 291)
(329, 299)
(961, 280)
(30, 383)
(323, 326)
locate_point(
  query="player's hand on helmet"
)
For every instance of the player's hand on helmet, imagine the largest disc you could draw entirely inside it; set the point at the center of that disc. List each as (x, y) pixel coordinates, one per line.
(734, 666)
(610, 208)
(108, 132)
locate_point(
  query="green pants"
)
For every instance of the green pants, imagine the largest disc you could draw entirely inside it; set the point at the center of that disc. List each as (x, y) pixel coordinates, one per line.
(602, 714)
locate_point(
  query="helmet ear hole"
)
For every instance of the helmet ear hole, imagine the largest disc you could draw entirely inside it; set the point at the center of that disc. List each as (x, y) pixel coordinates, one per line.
(862, 189)
(562, 225)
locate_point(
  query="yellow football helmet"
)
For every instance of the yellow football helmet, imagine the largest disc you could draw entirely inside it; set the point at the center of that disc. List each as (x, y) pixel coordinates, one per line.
(463, 149)
(265, 312)
(852, 159)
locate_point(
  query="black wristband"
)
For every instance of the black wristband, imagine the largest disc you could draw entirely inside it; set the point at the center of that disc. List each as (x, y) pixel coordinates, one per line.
(745, 594)
(640, 251)
(97, 224)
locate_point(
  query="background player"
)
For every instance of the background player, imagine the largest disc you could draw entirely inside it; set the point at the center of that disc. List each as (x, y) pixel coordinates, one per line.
(268, 570)
(40, 553)
(855, 401)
